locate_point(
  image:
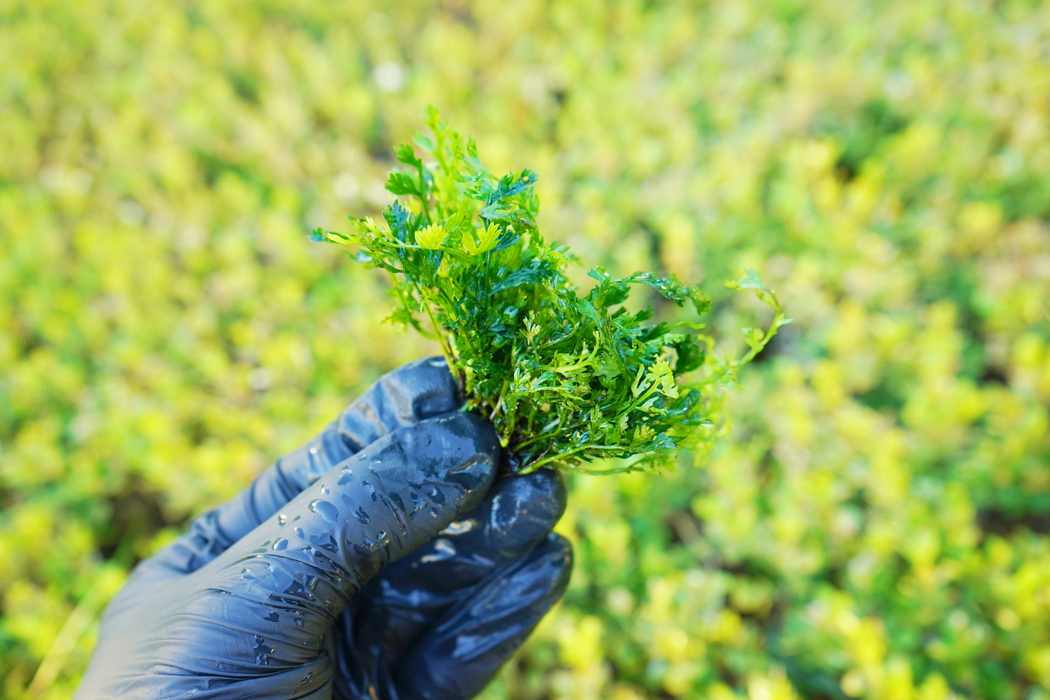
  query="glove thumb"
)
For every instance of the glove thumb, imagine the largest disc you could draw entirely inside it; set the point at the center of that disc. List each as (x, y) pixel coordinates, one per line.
(294, 573)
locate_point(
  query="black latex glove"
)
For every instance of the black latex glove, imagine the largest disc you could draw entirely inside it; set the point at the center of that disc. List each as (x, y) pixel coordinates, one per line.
(378, 561)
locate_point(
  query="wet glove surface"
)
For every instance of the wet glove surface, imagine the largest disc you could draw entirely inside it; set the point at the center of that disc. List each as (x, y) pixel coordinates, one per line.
(378, 561)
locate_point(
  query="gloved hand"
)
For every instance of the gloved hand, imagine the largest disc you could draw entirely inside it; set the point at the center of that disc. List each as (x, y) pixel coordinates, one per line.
(378, 561)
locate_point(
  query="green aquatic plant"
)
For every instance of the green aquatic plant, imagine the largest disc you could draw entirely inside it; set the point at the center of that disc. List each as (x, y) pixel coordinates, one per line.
(565, 378)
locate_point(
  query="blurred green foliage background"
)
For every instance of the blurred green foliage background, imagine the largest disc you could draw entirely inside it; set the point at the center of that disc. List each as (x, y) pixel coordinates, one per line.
(876, 528)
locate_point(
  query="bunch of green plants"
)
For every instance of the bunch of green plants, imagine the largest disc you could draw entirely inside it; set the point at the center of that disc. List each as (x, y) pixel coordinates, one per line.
(566, 379)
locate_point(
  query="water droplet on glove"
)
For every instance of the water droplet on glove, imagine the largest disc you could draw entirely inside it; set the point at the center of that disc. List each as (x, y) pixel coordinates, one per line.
(325, 509)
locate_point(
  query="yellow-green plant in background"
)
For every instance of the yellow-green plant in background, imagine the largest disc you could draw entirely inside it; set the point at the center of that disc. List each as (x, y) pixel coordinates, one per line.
(878, 525)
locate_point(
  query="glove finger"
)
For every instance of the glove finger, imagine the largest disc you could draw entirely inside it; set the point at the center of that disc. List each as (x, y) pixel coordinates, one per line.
(410, 394)
(459, 657)
(411, 595)
(226, 675)
(289, 579)
(510, 522)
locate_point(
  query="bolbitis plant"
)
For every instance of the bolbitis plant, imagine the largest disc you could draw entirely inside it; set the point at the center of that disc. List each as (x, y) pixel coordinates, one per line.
(565, 378)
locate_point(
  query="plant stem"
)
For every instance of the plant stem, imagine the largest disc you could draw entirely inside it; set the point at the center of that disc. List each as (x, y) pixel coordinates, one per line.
(445, 350)
(423, 192)
(567, 453)
(773, 327)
